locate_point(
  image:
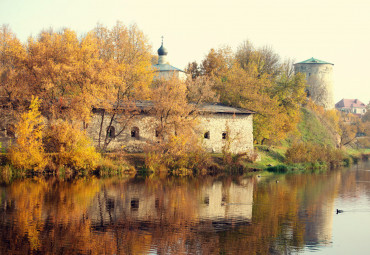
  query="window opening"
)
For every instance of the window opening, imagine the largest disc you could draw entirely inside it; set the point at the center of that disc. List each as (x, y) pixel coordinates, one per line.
(135, 132)
(111, 132)
(134, 204)
(224, 135)
(207, 135)
(206, 200)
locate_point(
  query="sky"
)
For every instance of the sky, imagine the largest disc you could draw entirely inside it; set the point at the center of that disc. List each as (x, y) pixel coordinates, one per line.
(335, 31)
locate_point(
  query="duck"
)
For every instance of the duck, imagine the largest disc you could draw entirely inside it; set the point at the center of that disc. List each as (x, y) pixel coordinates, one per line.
(339, 211)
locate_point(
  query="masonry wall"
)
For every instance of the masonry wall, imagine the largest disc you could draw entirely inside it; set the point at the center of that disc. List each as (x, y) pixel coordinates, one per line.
(320, 82)
(238, 129)
(167, 75)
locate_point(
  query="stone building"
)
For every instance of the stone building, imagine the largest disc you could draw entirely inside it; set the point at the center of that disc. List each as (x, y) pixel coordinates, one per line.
(319, 75)
(218, 126)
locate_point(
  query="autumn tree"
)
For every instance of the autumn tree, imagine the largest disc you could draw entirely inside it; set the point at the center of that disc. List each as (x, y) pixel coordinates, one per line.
(66, 73)
(71, 147)
(27, 153)
(264, 58)
(127, 53)
(194, 70)
(256, 79)
(12, 55)
(177, 146)
(217, 62)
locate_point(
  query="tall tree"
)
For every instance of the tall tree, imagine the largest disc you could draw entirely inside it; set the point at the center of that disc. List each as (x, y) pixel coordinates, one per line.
(127, 53)
(12, 91)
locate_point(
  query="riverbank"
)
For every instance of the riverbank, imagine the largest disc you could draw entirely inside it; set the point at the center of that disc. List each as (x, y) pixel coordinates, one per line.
(270, 159)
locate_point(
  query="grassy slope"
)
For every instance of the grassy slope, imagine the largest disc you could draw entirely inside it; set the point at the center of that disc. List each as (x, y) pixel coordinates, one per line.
(312, 129)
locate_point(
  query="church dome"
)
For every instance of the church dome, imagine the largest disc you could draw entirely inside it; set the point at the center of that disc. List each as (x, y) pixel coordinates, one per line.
(162, 51)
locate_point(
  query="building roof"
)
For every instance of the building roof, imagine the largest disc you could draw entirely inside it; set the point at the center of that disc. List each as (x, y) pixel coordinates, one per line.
(350, 103)
(146, 105)
(314, 61)
(219, 108)
(166, 68)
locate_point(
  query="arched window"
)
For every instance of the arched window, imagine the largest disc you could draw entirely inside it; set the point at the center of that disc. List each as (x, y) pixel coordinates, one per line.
(135, 132)
(207, 135)
(111, 132)
(224, 135)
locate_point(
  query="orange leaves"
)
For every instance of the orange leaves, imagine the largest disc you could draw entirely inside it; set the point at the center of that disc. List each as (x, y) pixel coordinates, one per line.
(102, 66)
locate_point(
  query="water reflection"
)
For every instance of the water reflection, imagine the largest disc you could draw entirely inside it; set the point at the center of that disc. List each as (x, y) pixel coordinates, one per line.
(206, 215)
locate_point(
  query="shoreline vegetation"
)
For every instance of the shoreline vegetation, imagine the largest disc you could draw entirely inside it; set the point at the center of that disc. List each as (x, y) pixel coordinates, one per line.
(272, 159)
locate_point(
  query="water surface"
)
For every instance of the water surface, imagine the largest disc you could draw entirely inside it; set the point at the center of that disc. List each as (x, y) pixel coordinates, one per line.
(275, 214)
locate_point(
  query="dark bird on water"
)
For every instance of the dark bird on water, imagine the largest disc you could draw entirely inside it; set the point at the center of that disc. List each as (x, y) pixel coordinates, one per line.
(339, 211)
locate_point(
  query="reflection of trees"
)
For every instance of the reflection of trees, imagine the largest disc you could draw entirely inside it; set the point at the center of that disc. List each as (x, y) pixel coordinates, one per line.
(286, 215)
(165, 215)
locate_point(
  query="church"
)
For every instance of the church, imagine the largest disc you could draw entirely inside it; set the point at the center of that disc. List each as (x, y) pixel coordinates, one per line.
(217, 124)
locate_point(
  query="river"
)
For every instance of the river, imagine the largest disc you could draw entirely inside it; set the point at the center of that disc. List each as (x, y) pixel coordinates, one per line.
(226, 214)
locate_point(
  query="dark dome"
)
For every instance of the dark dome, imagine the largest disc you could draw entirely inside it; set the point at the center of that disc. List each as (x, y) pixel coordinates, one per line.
(162, 51)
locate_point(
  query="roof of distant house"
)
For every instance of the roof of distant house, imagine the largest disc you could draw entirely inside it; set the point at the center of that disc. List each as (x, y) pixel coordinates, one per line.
(314, 61)
(350, 103)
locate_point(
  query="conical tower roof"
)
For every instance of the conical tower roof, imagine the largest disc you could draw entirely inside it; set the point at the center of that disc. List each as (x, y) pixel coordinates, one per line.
(314, 61)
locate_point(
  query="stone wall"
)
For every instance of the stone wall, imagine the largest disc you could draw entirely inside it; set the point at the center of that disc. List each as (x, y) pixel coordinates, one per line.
(167, 75)
(223, 129)
(238, 129)
(320, 82)
(215, 131)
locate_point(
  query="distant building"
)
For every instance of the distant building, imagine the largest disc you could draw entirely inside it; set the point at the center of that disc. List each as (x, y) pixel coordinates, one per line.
(319, 75)
(354, 106)
(164, 70)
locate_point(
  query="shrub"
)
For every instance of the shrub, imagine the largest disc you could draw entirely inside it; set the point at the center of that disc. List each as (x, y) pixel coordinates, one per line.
(71, 146)
(314, 153)
(178, 154)
(27, 153)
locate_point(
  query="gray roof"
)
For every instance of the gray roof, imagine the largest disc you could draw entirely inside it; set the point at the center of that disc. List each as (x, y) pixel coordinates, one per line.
(166, 68)
(146, 105)
(219, 108)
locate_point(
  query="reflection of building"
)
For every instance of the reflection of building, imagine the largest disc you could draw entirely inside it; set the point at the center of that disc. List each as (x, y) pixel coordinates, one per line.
(216, 202)
(233, 202)
(319, 214)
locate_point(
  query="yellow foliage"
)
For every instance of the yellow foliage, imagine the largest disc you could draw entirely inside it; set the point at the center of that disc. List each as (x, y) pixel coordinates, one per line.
(72, 147)
(313, 153)
(27, 153)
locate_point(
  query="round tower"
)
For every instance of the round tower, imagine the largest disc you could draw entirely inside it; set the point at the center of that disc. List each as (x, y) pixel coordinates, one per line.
(319, 75)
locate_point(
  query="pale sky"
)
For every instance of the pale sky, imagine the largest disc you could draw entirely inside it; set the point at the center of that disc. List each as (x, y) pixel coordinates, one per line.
(335, 31)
